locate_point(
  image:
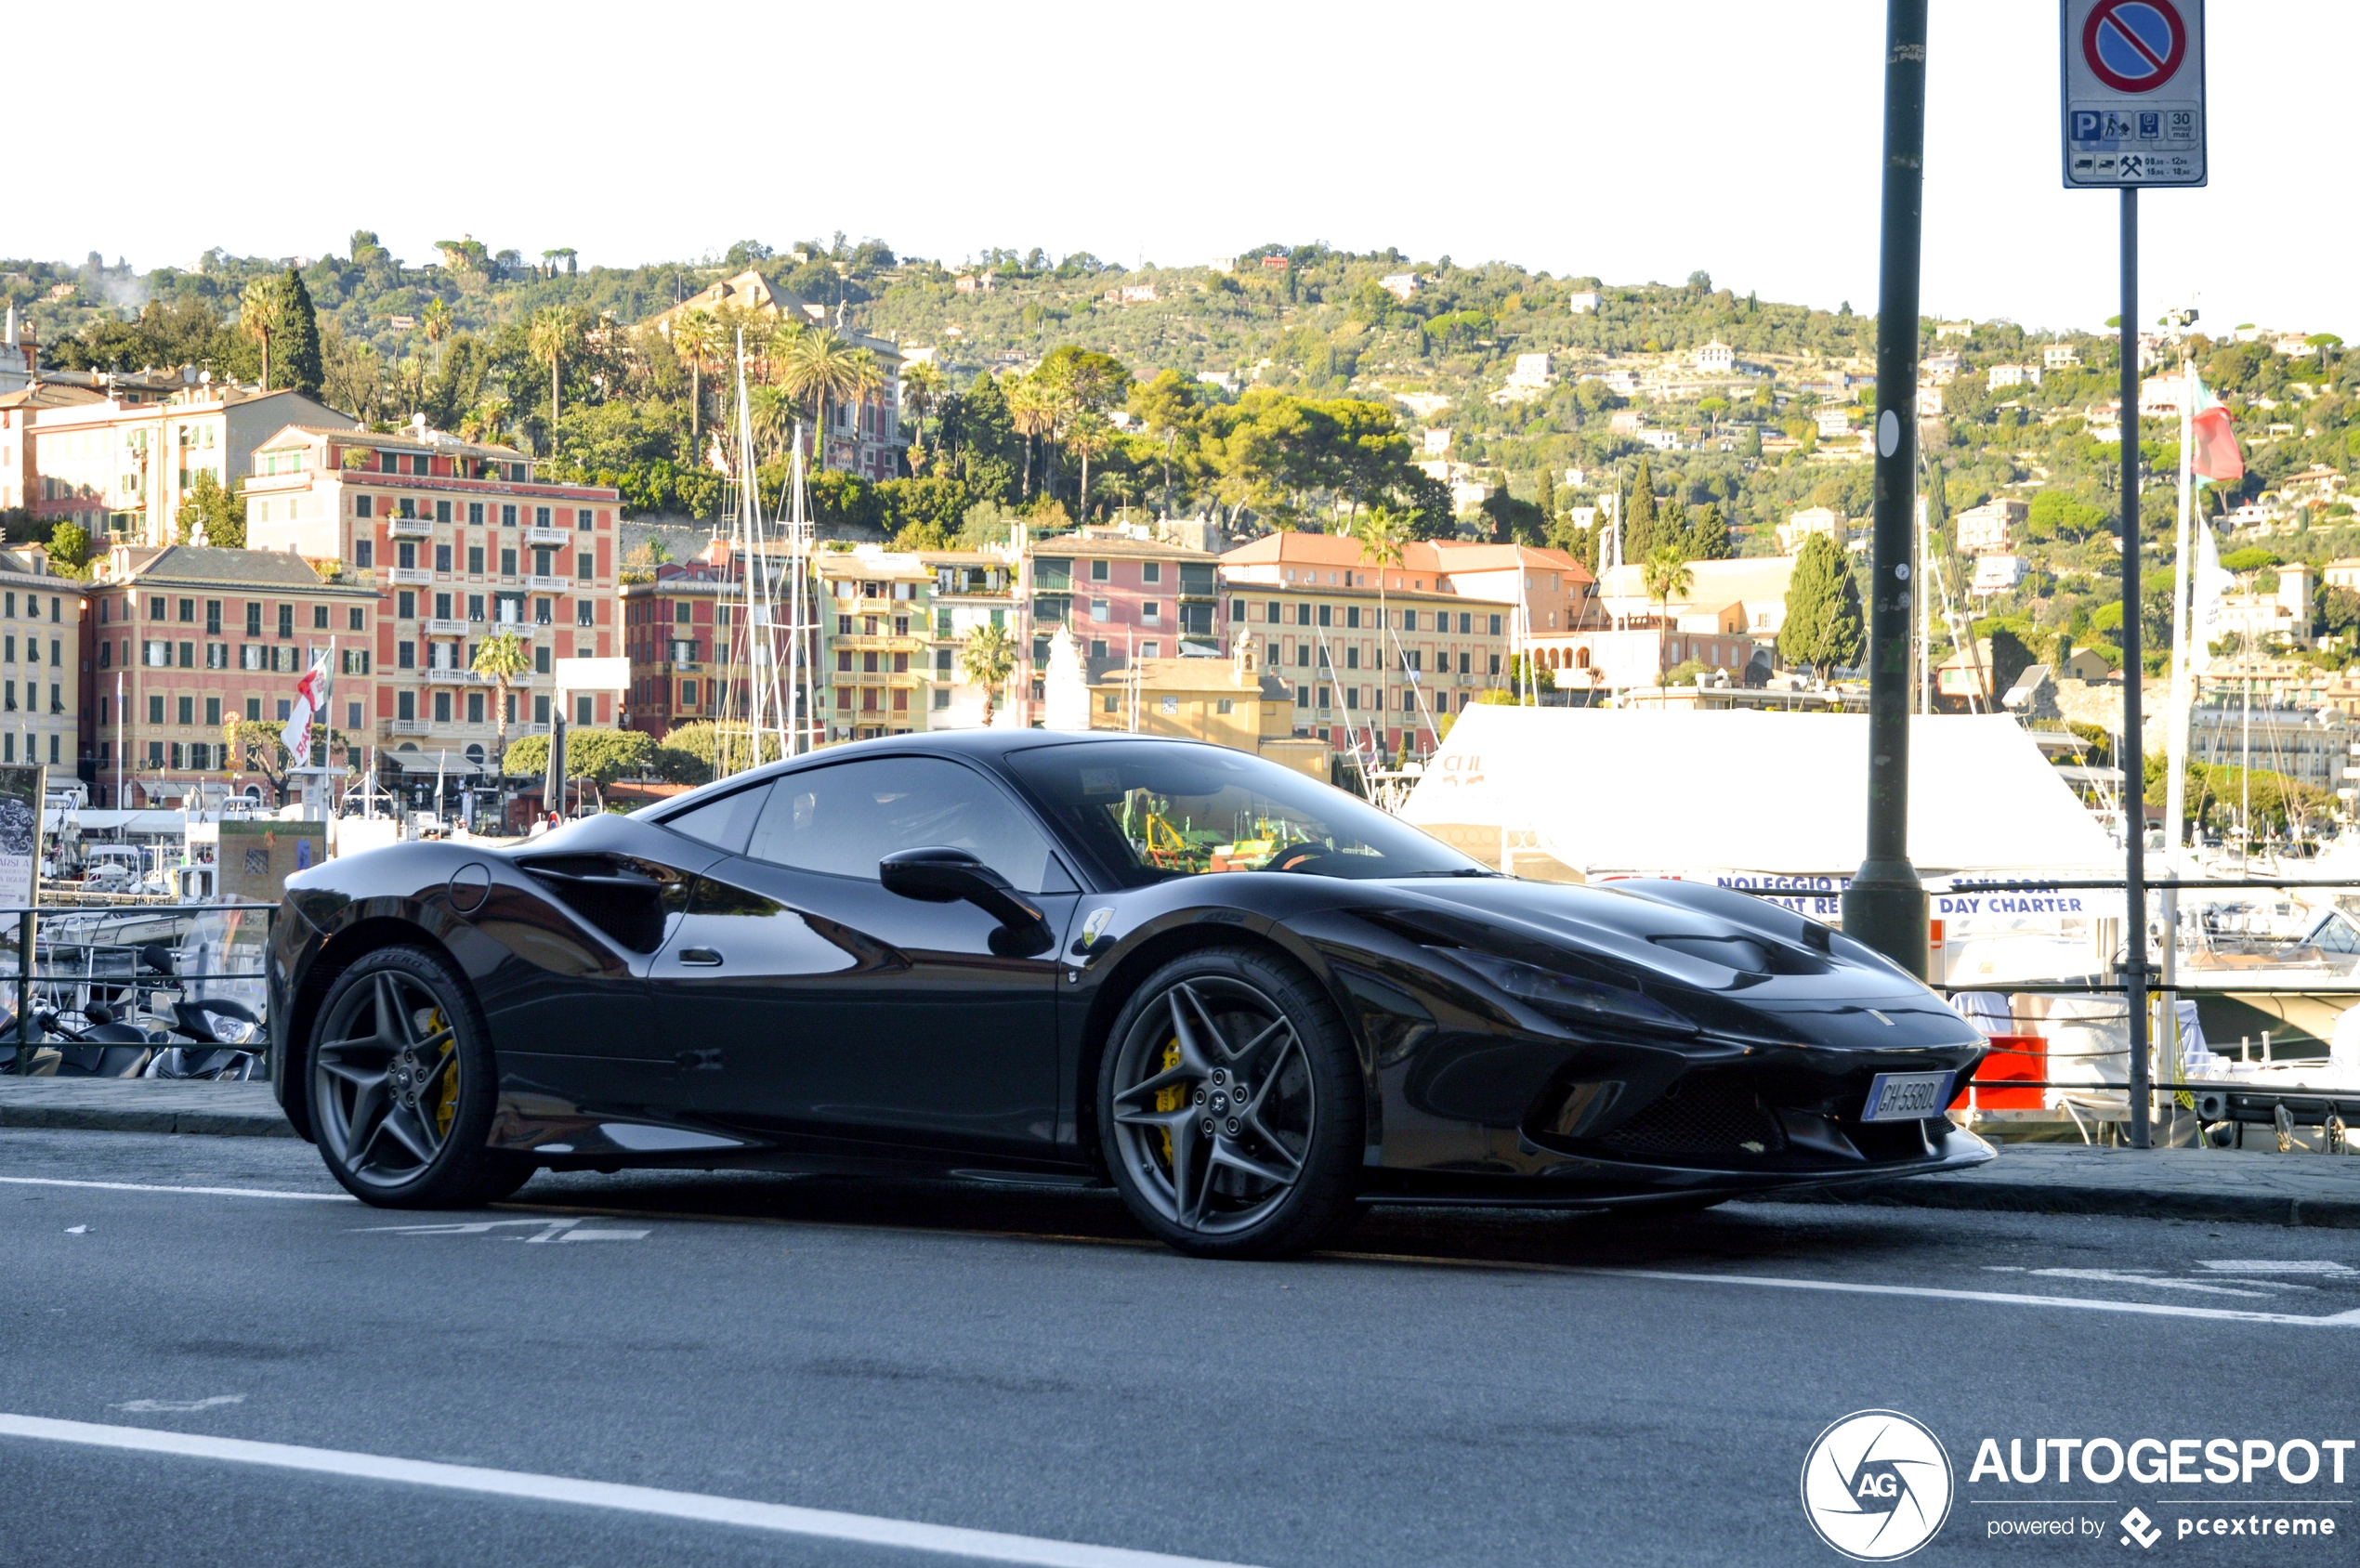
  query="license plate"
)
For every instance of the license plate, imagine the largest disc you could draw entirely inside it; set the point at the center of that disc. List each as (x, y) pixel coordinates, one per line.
(1907, 1096)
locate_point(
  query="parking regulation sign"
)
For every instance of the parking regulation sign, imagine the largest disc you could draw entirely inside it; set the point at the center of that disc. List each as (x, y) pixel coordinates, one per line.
(2133, 81)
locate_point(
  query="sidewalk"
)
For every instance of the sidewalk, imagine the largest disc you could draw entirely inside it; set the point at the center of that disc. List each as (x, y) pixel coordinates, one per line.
(143, 1105)
(2247, 1186)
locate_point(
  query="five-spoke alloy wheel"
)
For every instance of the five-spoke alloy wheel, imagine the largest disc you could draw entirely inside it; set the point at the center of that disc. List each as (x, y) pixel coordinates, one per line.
(1230, 1106)
(401, 1086)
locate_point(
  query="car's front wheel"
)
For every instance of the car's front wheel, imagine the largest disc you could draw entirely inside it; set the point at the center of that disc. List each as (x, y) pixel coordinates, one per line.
(1230, 1106)
(403, 1085)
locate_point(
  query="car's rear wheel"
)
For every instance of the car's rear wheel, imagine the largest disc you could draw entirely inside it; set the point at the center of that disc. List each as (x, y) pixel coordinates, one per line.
(1230, 1106)
(403, 1085)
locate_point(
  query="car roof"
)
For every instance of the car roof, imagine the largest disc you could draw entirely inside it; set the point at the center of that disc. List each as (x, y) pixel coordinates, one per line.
(987, 745)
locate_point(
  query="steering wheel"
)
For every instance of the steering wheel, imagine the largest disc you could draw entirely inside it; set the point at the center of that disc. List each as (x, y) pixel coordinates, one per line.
(1303, 857)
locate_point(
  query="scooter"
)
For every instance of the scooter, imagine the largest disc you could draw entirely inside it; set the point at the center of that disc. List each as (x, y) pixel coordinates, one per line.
(206, 1037)
(104, 1047)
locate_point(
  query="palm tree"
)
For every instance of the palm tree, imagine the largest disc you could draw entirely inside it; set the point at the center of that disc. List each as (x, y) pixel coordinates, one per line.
(1033, 411)
(777, 346)
(486, 421)
(922, 389)
(437, 319)
(554, 336)
(258, 317)
(1089, 436)
(772, 411)
(1381, 532)
(696, 337)
(987, 659)
(820, 366)
(1667, 577)
(864, 377)
(505, 657)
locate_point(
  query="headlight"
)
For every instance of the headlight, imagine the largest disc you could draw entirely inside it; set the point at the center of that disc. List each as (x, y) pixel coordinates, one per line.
(1564, 996)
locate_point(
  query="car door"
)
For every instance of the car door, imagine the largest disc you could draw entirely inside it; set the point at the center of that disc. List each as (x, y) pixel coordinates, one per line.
(819, 1003)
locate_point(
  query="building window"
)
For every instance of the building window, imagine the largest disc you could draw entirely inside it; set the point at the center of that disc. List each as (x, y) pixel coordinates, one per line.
(352, 618)
(286, 620)
(1097, 571)
(581, 521)
(213, 618)
(363, 505)
(405, 606)
(155, 708)
(1099, 609)
(508, 561)
(474, 513)
(364, 554)
(1150, 612)
(1152, 572)
(540, 516)
(442, 558)
(1466, 623)
(405, 655)
(442, 707)
(1495, 631)
(583, 562)
(475, 560)
(507, 517)
(405, 706)
(541, 710)
(474, 708)
(542, 612)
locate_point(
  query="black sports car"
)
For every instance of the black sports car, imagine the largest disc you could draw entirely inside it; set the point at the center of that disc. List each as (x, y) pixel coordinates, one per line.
(1245, 998)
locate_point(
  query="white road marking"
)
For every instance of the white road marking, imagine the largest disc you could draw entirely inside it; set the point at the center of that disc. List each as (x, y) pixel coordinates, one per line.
(2117, 1276)
(1993, 1298)
(78, 1230)
(988, 1545)
(152, 1188)
(147, 1406)
(2275, 1265)
(551, 1230)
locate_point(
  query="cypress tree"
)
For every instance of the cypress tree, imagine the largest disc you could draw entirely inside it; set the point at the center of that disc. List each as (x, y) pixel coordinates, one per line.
(1708, 536)
(1824, 626)
(1638, 523)
(296, 343)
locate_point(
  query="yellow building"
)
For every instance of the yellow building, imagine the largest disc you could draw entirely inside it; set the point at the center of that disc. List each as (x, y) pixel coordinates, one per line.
(1231, 702)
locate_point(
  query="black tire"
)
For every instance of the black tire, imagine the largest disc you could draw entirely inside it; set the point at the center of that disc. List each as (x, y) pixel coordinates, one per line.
(401, 1083)
(1274, 1170)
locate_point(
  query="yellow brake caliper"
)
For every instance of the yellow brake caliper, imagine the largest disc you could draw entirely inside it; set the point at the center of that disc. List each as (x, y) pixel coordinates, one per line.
(1170, 1099)
(446, 1107)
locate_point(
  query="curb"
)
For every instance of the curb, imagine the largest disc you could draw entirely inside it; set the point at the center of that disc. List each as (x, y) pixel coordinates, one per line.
(2022, 1197)
(83, 1118)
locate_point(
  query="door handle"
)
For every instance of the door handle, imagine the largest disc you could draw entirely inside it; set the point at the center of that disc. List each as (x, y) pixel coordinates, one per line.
(705, 956)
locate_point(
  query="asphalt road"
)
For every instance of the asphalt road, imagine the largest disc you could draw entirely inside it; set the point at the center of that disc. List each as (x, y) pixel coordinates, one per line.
(1443, 1388)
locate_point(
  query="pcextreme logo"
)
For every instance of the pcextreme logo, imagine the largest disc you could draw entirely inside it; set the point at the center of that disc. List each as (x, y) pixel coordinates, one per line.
(1877, 1485)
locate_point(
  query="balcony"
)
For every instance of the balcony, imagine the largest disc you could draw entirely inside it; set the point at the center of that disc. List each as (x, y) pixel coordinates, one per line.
(411, 528)
(547, 536)
(549, 584)
(417, 577)
(447, 675)
(443, 628)
(410, 727)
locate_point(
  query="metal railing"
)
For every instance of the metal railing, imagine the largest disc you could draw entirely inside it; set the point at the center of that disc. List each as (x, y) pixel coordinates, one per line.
(63, 959)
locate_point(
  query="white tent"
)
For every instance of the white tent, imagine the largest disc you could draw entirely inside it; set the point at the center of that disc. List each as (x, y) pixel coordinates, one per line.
(1606, 791)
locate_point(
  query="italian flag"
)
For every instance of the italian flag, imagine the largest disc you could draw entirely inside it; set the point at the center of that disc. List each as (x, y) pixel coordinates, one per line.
(2213, 439)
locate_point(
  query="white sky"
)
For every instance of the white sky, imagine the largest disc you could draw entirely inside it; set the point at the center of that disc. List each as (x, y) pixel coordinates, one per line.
(1632, 141)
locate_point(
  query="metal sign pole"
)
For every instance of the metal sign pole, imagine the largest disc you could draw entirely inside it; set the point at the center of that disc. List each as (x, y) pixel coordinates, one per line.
(2132, 98)
(1885, 906)
(2134, 768)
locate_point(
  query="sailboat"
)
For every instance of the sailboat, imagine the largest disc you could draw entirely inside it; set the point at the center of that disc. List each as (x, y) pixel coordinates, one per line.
(768, 708)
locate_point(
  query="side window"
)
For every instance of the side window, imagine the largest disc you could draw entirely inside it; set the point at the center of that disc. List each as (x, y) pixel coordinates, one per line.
(723, 823)
(844, 819)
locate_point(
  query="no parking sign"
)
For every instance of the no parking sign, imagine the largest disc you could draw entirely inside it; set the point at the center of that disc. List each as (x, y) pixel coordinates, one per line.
(2134, 110)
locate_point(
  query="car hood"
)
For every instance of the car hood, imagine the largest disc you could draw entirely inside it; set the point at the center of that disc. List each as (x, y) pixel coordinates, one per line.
(1736, 965)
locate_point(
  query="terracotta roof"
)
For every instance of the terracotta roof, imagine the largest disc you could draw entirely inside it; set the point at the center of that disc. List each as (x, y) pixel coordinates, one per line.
(1057, 546)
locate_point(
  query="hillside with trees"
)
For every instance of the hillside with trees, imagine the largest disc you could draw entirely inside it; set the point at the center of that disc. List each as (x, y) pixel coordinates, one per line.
(1278, 392)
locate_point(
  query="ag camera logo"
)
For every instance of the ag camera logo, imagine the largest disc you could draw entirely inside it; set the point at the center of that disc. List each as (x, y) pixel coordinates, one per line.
(1877, 1485)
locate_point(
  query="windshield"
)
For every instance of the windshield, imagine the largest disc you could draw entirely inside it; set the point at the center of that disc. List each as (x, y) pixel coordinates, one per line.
(1146, 810)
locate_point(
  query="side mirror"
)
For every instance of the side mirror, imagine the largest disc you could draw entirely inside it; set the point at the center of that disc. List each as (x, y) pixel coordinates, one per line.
(939, 874)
